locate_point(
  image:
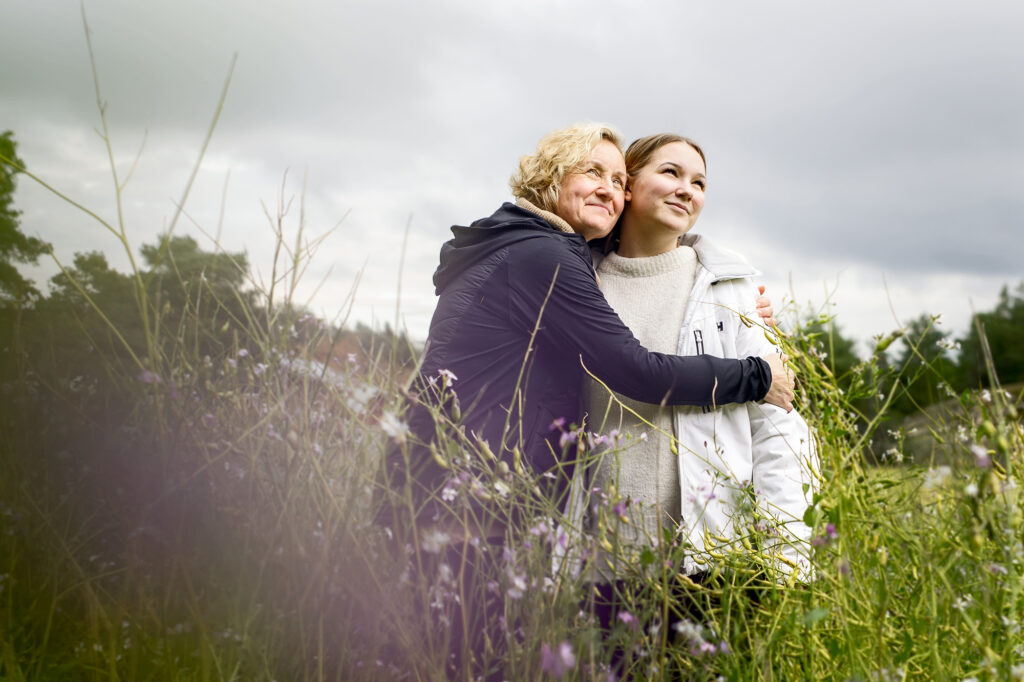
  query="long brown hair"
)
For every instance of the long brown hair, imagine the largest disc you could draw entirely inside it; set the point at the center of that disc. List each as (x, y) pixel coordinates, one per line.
(637, 156)
(640, 152)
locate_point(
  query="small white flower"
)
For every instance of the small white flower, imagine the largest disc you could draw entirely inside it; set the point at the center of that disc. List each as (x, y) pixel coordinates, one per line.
(971, 489)
(394, 427)
(935, 478)
(447, 376)
(982, 459)
(892, 455)
(360, 397)
(434, 540)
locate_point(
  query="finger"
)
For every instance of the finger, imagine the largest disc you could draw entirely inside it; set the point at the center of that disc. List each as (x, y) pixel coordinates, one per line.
(760, 289)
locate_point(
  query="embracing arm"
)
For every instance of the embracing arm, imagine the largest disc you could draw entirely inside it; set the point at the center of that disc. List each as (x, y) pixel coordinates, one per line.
(577, 318)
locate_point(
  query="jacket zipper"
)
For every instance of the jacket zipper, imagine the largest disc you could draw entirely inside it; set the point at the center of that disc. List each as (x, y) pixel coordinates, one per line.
(698, 338)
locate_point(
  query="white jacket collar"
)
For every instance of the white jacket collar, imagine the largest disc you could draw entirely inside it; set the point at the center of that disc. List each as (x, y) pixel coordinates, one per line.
(721, 262)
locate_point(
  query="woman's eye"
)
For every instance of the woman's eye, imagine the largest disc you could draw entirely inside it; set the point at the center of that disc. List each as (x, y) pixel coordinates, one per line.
(618, 183)
(672, 172)
(700, 183)
(592, 171)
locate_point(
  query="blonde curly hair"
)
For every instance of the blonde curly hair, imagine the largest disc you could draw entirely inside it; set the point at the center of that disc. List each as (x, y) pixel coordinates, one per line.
(540, 174)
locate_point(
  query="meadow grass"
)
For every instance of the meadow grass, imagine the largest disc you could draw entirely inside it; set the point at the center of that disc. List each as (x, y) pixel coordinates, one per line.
(199, 503)
(197, 517)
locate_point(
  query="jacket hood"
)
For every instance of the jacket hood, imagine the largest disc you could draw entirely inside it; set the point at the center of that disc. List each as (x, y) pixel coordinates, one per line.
(721, 262)
(475, 243)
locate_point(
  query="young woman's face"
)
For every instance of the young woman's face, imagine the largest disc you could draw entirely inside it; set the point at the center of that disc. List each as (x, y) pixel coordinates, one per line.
(591, 199)
(668, 193)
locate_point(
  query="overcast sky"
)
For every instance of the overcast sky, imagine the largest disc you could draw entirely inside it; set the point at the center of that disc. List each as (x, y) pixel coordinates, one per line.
(860, 152)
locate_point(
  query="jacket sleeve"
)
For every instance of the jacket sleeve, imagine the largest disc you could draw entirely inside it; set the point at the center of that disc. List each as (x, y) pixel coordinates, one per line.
(551, 283)
(784, 455)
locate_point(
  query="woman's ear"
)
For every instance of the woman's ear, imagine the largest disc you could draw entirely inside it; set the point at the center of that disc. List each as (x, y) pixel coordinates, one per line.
(627, 194)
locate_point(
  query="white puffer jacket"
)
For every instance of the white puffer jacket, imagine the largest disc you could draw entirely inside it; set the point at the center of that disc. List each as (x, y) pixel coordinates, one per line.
(723, 449)
(726, 452)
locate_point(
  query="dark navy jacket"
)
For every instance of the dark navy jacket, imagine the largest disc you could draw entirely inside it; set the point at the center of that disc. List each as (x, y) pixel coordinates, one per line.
(520, 315)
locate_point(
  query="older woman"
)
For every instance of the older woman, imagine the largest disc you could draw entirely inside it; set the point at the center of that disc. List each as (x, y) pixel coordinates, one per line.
(681, 293)
(520, 315)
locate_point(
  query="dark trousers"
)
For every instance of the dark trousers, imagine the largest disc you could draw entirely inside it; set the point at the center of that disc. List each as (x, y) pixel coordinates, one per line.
(468, 614)
(611, 599)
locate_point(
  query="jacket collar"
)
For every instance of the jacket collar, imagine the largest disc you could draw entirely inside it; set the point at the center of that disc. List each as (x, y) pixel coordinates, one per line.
(721, 262)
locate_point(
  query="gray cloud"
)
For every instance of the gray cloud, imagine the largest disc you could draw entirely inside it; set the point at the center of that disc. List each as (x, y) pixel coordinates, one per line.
(866, 138)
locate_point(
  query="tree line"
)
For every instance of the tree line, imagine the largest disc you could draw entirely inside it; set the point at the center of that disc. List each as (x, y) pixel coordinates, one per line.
(199, 300)
(184, 302)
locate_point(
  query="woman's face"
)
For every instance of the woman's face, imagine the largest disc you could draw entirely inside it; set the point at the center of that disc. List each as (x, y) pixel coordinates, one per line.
(667, 195)
(591, 199)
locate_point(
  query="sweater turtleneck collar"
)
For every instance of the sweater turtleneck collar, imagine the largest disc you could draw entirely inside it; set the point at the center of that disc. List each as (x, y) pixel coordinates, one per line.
(556, 222)
(677, 258)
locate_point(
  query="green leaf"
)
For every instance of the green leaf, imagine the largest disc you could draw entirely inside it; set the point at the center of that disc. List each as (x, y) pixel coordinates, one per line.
(814, 616)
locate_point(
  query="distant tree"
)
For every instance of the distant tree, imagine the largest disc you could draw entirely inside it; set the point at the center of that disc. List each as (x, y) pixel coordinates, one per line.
(196, 293)
(195, 306)
(91, 312)
(178, 262)
(1003, 327)
(15, 247)
(924, 369)
(838, 352)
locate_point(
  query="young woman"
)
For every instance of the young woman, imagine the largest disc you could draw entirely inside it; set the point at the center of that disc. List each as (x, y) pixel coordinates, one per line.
(680, 293)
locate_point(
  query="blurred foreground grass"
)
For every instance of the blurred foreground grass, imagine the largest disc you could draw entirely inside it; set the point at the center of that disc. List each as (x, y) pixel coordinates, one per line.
(187, 469)
(206, 514)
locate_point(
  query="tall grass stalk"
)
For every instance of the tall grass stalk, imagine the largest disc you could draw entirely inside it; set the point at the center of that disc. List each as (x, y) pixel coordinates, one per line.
(213, 519)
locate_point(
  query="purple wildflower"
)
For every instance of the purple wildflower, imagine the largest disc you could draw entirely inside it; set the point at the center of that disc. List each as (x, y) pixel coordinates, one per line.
(558, 424)
(559, 661)
(147, 377)
(629, 619)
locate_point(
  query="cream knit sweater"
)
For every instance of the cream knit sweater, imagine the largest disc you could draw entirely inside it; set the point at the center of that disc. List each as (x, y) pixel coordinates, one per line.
(650, 295)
